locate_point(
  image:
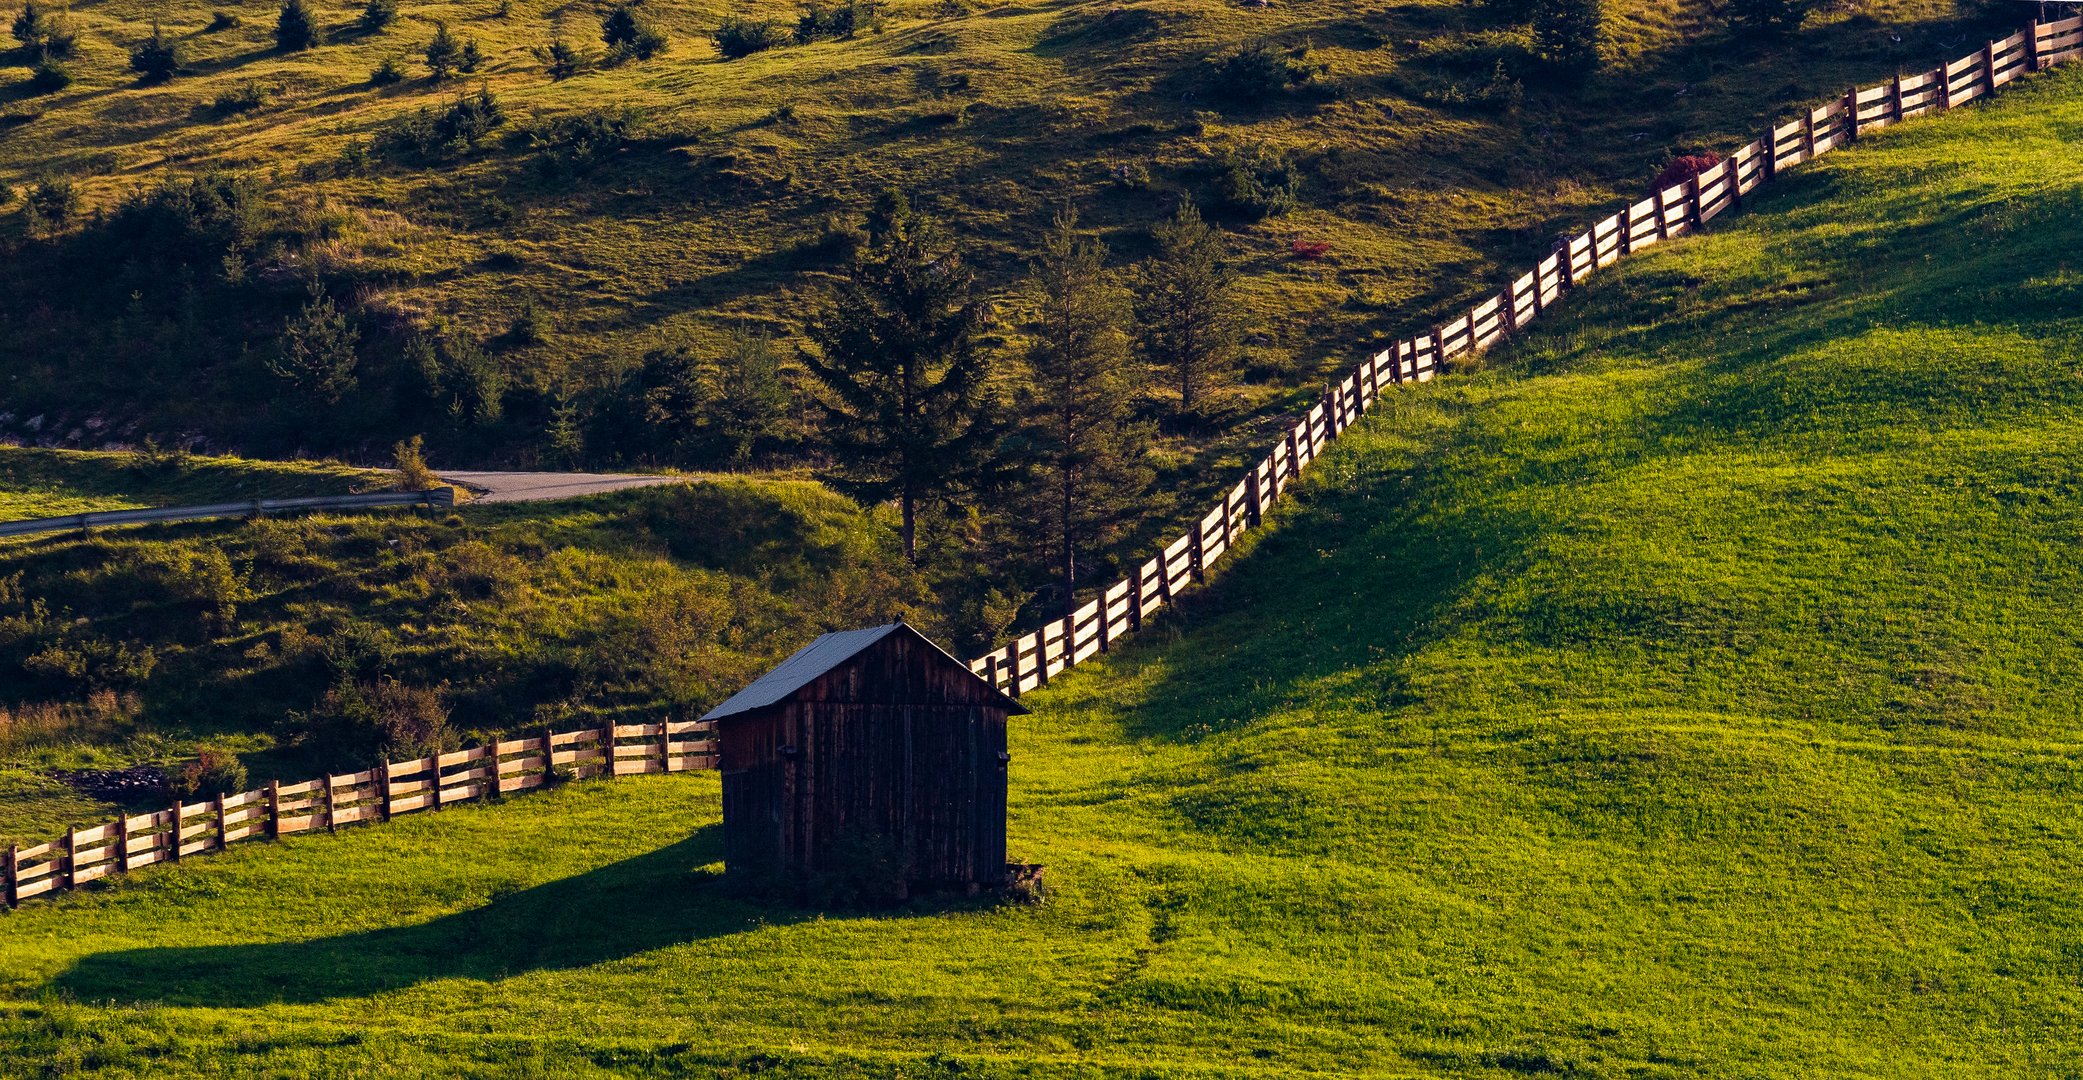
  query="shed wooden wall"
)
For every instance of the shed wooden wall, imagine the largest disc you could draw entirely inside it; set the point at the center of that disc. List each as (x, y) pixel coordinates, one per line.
(897, 741)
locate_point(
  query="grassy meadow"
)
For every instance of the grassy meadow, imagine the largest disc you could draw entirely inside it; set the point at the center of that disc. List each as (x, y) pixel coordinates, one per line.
(55, 483)
(717, 208)
(1692, 691)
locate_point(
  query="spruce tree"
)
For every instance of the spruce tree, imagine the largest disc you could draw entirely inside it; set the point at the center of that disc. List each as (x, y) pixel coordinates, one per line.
(908, 413)
(1093, 457)
(157, 58)
(295, 29)
(443, 53)
(377, 14)
(1185, 305)
(316, 352)
(1570, 34)
(746, 398)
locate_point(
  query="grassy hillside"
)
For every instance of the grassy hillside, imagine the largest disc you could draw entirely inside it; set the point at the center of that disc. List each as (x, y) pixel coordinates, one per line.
(313, 643)
(1694, 693)
(724, 196)
(53, 483)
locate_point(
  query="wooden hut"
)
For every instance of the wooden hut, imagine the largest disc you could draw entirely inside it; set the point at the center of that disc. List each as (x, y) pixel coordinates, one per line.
(873, 733)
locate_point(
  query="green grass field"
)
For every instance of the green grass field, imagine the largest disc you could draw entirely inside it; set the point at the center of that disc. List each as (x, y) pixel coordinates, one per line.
(53, 483)
(1692, 692)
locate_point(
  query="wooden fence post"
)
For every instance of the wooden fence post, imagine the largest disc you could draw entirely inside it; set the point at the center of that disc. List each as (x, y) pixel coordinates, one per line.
(383, 791)
(1895, 99)
(1253, 512)
(1015, 658)
(1945, 87)
(1294, 457)
(1807, 133)
(8, 872)
(549, 757)
(331, 826)
(174, 854)
(71, 846)
(2032, 46)
(274, 809)
(665, 748)
(1771, 163)
(991, 669)
(1041, 656)
(1663, 215)
(1851, 115)
(1193, 549)
(1135, 601)
(434, 782)
(122, 843)
(222, 843)
(607, 749)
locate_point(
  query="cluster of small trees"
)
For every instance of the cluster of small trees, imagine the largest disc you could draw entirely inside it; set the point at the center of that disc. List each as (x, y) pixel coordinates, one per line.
(911, 408)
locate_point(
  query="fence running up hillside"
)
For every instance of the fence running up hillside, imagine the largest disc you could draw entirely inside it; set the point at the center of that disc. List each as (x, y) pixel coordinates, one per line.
(488, 772)
(1031, 660)
(378, 794)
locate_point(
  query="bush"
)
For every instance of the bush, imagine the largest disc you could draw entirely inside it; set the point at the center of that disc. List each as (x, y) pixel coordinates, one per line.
(560, 60)
(295, 29)
(54, 201)
(425, 135)
(409, 459)
(628, 35)
(1259, 69)
(1257, 183)
(377, 14)
(388, 73)
(245, 97)
(215, 771)
(382, 719)
(157, 58)
(460, 375)
(844, 20)
(43, 31)
(1685, 168)
(1768, 17)
(49, 76)
(223, 20)
(741, 37)
(572, 145)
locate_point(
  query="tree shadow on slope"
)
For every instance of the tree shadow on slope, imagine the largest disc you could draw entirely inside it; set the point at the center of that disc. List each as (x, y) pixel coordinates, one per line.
(652, 901)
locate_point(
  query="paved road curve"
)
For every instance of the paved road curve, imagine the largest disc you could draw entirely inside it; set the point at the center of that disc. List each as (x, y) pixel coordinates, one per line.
(498, 487)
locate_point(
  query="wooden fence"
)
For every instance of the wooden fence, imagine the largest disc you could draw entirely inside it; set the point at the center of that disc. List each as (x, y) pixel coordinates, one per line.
(1031, 660)
(184, 830)
(439, 497)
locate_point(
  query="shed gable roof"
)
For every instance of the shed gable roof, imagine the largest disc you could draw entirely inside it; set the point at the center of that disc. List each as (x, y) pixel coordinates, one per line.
(812, 661)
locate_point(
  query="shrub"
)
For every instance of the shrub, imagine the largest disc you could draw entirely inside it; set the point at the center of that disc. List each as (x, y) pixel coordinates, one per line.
(843, 20)
(470, 59)
(1257, 183)
(1768, 17)
(316, 352)
(49, 76)
(29, 25)
(460, 375)
(245, 97)
(157, 58)
(1685, 168)
(1259, 69)
(571, 145)
(54, 201)
(388, 73)
(409, 459)
(560, 60)
(295, 29)
(740, 37)
(215, 771)
(377, 14)
(223, 20)
(425, 135)
(629, 35)
(382, 719)
(43, 31)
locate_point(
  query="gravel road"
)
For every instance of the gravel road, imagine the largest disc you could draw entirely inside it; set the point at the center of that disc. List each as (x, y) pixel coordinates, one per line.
(498, 487)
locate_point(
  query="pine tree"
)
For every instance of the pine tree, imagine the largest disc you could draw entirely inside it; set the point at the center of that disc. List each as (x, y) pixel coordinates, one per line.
(745, 398)
(1570, 34)
(295, 29)
(316, 352)
(1185, 306)
(909, 413)
(443, 53)
(31, 24)
(1093, 455)
(377, 14)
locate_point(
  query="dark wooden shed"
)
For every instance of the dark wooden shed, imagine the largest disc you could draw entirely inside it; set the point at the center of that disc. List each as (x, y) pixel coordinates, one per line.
(874, 733)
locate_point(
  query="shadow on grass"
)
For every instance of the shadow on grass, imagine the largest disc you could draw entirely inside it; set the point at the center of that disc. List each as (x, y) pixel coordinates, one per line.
(620, 910)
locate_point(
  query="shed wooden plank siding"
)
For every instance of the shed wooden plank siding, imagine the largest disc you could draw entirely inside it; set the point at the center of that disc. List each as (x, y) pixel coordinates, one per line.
(873, 733)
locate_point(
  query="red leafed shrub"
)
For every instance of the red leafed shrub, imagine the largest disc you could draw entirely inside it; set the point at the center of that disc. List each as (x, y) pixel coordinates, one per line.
(1685, 168)
(1309, 249)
